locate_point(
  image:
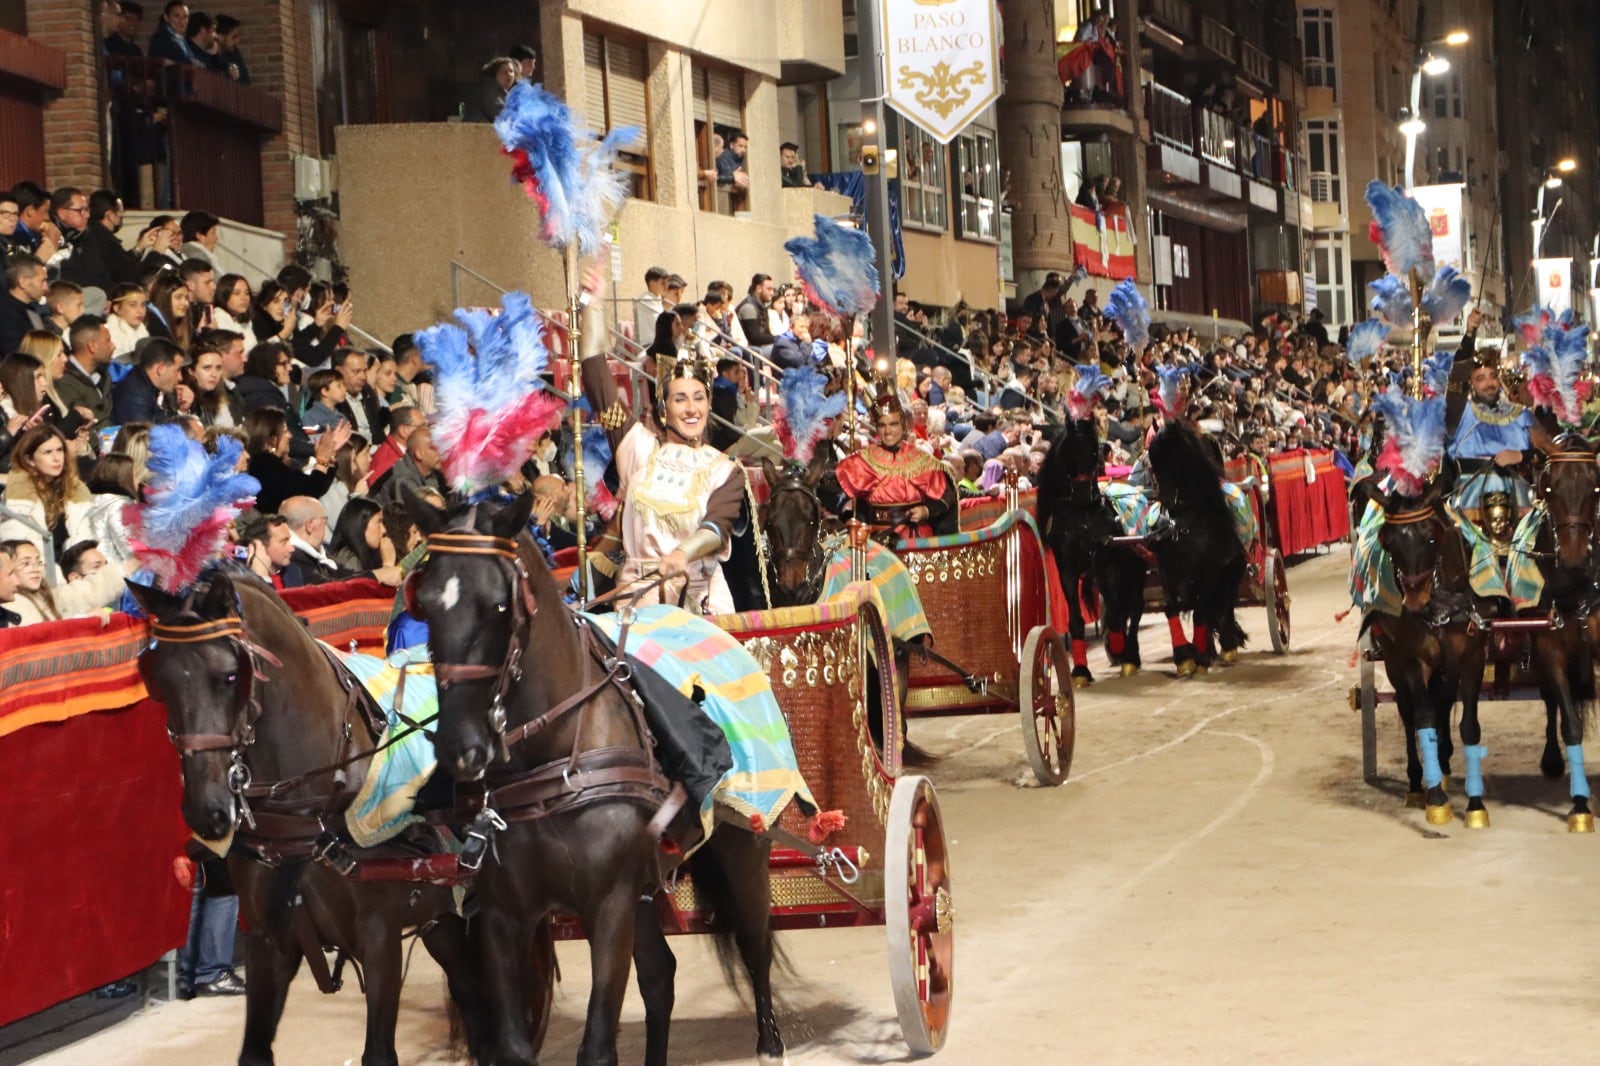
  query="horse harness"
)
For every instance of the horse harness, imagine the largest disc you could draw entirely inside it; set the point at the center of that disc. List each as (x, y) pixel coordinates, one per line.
(584, 776)
(815, 558)
(1448, 604)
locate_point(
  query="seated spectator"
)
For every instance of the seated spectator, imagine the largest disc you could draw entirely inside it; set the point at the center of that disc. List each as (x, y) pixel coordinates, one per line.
(732, 401)
(100, 260)
(273, 315)
(200, 278)
(267, 437)
(167, 313)
(157, 246)
(35, 233)
(85, 384)
(64, 301)
(231, 309)
(146, 394)
(647, 306)
(113, 484)
(129, 306)
(43, 493)
(212, 402)
(403, 422)
(22, 379)
(22, 304)
(970, 484)
(362, 407)
(8, 591)
(37, 601)
(308, 531)
(358, 542)
(268, 550)
(324, 391)
(350, 467)
(417, 469)
(317, 340)
(414, 379)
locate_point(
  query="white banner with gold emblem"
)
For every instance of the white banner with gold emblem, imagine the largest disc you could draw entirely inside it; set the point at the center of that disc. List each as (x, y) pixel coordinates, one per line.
(1555, 284)
(1443, 206)
(941, 61)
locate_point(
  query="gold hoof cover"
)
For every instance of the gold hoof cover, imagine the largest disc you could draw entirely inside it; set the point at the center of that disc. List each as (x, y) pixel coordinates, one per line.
(1128, 669)
(1580, 823)
(1230, 656)
(1081, 682)
(1201, 671)
(1440, 815)
(1478, 819)
(1186, 669)
(1414, 801)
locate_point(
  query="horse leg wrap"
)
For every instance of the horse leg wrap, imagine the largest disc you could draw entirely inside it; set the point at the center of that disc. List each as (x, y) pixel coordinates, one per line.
(1580, 783)
(1428, 748)
(1175, 627)
(1116, 642)
(1080, 653)
(1202, 637)
(1476, 753)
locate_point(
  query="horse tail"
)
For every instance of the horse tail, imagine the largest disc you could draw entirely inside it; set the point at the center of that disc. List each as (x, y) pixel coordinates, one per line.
(545, 971)
(721, 902)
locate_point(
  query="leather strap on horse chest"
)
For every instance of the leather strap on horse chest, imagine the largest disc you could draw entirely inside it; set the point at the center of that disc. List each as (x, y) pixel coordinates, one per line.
(622, 771)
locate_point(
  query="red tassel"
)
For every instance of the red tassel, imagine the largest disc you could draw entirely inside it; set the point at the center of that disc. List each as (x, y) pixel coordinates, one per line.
(183, 870)
(824, 824)
(758, 824)
(670, 847)
(1342, 615)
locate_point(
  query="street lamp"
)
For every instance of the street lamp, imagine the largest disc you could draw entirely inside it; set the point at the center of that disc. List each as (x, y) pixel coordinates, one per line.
(1426, 62)
(1567, 165)
(1552, 180)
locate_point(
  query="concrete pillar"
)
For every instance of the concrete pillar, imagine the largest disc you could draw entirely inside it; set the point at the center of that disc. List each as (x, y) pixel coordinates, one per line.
(1030, 144)
(74, 122)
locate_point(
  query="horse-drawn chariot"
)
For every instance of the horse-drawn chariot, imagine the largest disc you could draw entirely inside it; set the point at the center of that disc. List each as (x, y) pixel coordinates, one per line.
(986, 598)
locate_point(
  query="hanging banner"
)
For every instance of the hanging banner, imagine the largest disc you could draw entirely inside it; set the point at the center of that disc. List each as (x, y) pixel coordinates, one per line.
(1443, 205)
(1102, 243)
(941, 61)
(1554, 278)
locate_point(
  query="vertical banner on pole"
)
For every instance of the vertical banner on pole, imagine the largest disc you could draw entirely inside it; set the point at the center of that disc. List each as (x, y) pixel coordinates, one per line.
(941, 61)
(1443, 205)
(1554, 280)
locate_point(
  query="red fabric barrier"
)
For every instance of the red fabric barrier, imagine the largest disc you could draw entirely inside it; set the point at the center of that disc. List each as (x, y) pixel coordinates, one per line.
(1308, 514)
(92, 825)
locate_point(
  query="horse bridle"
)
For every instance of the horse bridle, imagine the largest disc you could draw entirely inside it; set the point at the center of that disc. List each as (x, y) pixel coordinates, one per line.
(1428, 514)
(1542, 490)
(815, 558)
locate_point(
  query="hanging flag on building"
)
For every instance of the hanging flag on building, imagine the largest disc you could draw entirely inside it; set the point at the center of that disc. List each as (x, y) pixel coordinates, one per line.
(1443, 205)
(1554, 280)
(1102, 242)
(941, 61)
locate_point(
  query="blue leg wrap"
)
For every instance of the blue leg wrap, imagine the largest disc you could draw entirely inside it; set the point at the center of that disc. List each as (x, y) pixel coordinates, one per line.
(1475, 757)
(1580, 783)
(1428, 748)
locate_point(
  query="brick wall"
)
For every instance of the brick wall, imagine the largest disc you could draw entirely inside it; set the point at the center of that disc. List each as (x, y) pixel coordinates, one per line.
(277, 46)
(73, 131)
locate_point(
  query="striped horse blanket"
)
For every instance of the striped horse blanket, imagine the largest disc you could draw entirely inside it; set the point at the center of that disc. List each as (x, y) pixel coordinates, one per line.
(1140, 514)
(382, 808)
(1373, 586)
(690, 652)
(897, 592)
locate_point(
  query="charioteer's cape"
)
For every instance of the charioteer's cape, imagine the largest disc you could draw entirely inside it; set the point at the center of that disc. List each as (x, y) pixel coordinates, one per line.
(886, 483)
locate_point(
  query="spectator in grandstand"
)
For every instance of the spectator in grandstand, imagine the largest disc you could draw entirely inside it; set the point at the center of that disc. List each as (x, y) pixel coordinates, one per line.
(85, 385)
(64, 303)
(269, 552)
(648, 306)
(414, 381)
(417, 469)
(39, 601)
(35, 233)
(8, 590)
(362, 407)
(231, 309)
(22, 378)
(317, 339)
(47, 504)
(350, 467)
(113, 484)
(752, 311)
(200, 279)
(129, 305)
(273, 315)
(403, 422)
(145, 395)
(324, 391)
(83, 559)
(359, 543)
(167, 314)
(22, 304)
(265, 384)
(211, 401)
(308, 532)
(267, 442)
(100, 260)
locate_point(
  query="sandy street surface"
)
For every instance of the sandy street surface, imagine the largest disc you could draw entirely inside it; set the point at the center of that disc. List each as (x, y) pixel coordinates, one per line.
(1214, 884)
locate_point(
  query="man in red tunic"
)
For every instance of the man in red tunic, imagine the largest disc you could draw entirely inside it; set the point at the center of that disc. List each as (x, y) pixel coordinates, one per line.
(894, 483)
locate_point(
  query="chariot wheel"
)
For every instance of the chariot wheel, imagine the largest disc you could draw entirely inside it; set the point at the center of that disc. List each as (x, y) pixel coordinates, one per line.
(1046, 705)
(1275, 591)
(919, 915)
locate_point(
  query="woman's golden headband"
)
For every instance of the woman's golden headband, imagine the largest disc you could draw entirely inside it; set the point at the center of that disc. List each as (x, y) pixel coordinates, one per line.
(685, 364)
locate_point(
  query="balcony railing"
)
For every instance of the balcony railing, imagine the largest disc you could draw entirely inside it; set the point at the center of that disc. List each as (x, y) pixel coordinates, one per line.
(1255, 62)
(1175, 15)
(1217, 37)
(1218, 138)
(1171, 116)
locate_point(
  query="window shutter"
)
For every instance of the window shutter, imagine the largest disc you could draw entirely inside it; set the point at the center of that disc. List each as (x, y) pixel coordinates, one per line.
(594, 80)
(628, 76)
(726, 90)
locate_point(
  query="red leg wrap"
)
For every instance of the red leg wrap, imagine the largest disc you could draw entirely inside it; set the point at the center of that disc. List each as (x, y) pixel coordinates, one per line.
(1175, 624)
(1080, 653)
(1200, 634)
(1115, 642)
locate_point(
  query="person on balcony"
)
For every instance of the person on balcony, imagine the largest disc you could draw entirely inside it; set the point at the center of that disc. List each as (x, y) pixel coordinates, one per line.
(123, 41)
(228, 34)
(732, 174)
(170, 41)
(488, 95)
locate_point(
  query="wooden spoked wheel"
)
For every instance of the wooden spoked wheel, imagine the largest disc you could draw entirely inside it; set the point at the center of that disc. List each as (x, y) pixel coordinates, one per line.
(1275, 591)
(1049, 715)
(919, 914)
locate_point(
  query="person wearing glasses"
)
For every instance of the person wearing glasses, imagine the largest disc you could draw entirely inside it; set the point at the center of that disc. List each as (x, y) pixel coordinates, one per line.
(98, 258)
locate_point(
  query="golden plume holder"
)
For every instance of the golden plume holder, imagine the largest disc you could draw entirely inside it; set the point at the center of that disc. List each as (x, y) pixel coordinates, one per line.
(575, 385)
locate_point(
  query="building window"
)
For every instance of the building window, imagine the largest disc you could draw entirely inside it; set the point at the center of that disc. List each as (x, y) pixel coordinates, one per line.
(1331, 266)
(1327, 175)
(922, 184)
(1441, 96)
(978, 164)
(718, 115)
(617, 94)
(1316, 38)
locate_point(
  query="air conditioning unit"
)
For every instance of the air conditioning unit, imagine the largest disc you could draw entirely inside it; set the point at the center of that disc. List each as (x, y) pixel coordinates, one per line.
(314, 179)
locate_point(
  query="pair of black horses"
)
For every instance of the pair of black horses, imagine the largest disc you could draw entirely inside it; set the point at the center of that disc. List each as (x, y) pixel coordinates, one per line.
(534, 724)
(1435, 650)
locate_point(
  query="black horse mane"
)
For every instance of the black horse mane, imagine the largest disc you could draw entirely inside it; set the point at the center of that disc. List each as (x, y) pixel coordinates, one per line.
(1074, 452)
(1188, 471)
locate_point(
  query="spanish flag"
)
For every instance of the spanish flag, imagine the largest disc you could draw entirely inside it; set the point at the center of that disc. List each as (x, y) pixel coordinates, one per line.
(1102, 241)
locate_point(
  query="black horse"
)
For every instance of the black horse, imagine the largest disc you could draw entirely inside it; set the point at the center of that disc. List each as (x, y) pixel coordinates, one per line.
(533, 707)
(251, 696)
(1198, 552)
(1434, 649)
(793, 523)
(1080, 525)
(1569, 487)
